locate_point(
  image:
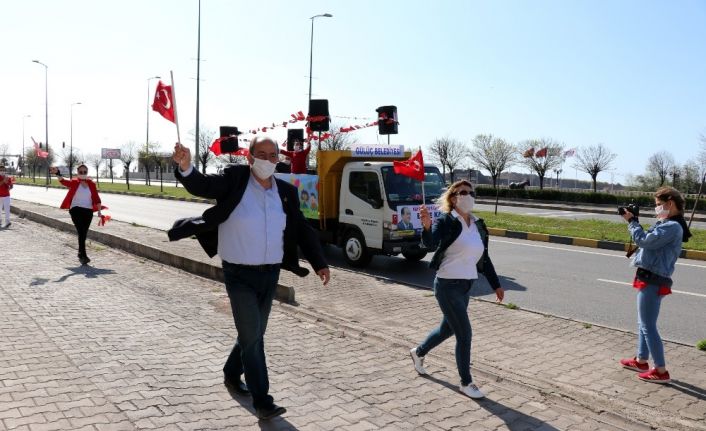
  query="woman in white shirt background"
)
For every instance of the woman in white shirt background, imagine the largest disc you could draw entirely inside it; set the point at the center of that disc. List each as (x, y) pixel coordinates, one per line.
(461, 243)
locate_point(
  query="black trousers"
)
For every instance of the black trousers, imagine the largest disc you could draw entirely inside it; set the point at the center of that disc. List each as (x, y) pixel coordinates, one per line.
(82, 218)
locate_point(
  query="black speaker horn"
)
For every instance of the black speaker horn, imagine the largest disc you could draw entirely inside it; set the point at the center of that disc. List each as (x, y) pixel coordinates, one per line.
(387, 120)
(294, 135)
(319, 115)
(229, 139)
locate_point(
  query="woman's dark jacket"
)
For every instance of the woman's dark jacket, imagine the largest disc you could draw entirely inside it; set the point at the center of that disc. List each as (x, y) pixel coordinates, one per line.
(445, 231)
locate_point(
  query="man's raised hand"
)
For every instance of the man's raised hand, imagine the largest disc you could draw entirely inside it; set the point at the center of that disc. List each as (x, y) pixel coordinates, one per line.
(182, 156)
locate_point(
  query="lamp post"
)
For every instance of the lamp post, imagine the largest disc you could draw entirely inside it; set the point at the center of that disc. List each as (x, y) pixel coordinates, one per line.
(21, 163)
(71, 142)
(311, 48)
(147, 139)
(46, 112)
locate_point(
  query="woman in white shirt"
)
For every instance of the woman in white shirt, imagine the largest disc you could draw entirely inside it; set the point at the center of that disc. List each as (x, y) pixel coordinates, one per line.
(461, 243)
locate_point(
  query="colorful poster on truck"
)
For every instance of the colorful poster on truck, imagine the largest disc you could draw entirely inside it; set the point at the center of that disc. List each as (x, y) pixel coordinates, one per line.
(409, 221)
(307, 186)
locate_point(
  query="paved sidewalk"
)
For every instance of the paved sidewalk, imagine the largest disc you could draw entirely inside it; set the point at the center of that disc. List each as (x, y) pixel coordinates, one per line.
(128, 344)
(544, 361)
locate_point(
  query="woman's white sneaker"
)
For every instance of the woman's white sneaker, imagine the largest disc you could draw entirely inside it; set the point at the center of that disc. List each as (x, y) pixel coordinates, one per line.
(418, 362)
(471, 390)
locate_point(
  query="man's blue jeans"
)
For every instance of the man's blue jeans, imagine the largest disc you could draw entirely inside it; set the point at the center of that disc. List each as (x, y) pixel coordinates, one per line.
(453, 296)
(648, 339)
(251, 292)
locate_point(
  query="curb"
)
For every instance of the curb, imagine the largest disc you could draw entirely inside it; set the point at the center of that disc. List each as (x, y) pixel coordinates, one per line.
(582, 242)
(202, 269)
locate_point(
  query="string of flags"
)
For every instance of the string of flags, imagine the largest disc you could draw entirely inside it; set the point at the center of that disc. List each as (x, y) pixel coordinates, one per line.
(543, 152)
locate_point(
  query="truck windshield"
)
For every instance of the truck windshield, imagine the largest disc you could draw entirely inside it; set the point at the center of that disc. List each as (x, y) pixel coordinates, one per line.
(401, 189)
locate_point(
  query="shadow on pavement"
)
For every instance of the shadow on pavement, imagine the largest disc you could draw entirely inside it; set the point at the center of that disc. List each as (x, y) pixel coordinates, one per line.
(85, 270)
(514, 419)
(278, 423)
(694, 391)
(481, 287)
(38, 281)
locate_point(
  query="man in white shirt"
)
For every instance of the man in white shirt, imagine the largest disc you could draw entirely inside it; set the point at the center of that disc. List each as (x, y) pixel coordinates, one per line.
(256, 226)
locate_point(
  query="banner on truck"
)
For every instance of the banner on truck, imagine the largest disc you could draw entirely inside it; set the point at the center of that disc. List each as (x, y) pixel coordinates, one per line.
(408, 219)
(307, 187)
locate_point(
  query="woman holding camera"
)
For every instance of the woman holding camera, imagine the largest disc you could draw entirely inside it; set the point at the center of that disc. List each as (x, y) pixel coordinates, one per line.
(81, 200)
(461, 243)
(659, 248)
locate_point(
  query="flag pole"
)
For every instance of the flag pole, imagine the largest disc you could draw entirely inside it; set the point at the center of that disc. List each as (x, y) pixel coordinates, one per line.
(424, 199)
(176, 117)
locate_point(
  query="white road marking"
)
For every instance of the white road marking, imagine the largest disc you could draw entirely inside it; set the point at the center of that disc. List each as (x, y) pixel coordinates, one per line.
(673, 291)
(581, 251)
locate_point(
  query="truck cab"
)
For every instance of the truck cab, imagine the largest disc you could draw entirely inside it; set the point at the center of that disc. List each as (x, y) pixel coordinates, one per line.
(379, 211)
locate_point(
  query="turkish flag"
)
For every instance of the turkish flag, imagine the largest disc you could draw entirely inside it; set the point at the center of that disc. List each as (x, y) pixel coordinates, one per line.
(38, 151)
(528, 153)
(414, 167)
(163, 101)
(541, 153)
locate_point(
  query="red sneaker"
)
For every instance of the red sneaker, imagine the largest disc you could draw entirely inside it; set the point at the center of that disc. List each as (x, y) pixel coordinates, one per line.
(655, 376)
(632, 364)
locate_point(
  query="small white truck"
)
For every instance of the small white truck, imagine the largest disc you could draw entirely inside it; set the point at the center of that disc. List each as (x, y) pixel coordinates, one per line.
(357, 201)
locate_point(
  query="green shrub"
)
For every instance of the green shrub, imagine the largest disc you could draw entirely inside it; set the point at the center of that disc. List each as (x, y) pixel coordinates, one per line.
(701, 345)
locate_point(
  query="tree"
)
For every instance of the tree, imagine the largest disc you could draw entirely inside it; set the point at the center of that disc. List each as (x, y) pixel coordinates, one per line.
(146, 156)
(593, 160)
(337, 140)
(206, 137)
(702, 155)
(541, 165)
(127, 156)
(71, 158)
(448, 153)
(660, 164)
(690, 177)
(95, 160)
(493, 154)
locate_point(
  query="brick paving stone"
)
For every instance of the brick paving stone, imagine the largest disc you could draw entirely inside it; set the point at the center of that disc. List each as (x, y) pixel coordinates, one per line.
(146, 342)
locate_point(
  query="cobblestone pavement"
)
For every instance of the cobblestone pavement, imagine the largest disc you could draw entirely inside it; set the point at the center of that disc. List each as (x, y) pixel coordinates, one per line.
(338, 360)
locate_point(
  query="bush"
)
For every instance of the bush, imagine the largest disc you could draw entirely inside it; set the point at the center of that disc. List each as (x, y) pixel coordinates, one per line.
(645, 201)
(701, 345)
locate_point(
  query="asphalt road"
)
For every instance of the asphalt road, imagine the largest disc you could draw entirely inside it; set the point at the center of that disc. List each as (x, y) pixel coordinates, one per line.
(590, 285)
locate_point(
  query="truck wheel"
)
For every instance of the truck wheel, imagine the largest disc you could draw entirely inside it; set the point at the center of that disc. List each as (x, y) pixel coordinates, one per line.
(355, 251)
(414, 255)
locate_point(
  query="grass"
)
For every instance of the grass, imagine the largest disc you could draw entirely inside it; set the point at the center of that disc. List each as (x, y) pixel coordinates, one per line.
(511, 306)
(591, 229)
(587, 325)
(135, 187)
(701, 345)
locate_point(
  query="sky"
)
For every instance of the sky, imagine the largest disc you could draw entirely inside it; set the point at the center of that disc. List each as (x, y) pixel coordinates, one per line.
(628, 74)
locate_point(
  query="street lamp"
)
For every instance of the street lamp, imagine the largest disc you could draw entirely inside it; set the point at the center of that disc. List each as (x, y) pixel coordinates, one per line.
(71, 142)
(46, 113)
(311, 48)
(21, 163)
(147, 139)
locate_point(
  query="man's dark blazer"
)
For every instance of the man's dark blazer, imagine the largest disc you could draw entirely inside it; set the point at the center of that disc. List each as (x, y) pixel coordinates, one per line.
(228, 189)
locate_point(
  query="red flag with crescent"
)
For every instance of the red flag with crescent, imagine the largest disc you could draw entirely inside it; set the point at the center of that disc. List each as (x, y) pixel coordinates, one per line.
(414, 167)
(163, 101)
(542, 152)
(528, 153)
(38, 150)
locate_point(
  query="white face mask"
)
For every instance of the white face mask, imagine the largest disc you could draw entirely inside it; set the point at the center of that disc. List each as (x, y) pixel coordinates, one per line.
(465, 203)
(660, 212)
(263, 169)
(82, 177)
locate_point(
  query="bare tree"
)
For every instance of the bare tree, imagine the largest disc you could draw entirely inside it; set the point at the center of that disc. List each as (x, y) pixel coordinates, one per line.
(701, 158)
(147, 156)
(127, 156)
(660, 164)
(493, 154)
(337, 140)
(95, 160)
(4, 152)
(206, 137)
(449, 153)
(553, 158)
(71, 158)
(593, 160)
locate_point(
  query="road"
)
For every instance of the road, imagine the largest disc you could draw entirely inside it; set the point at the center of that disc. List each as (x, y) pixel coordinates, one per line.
(586, 284)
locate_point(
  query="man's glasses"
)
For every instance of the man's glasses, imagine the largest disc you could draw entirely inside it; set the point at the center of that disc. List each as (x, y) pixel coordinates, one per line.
(465, 193)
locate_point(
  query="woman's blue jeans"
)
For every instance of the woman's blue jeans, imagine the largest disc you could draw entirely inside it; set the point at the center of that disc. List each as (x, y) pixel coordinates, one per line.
(452, 296)
(251, 293)
(648, 339)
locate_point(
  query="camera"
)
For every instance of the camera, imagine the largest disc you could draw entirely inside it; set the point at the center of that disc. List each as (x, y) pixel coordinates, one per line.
(631, 207)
